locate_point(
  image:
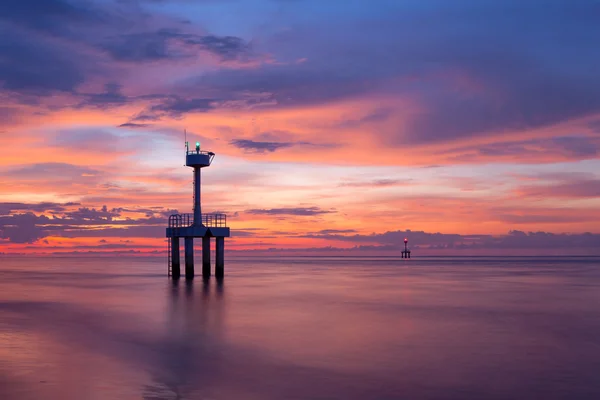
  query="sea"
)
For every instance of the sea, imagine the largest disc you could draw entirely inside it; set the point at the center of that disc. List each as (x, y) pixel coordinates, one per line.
(301, 328)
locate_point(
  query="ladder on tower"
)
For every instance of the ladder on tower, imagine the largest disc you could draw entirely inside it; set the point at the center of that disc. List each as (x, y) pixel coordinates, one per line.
(169, 259)
(194, 196)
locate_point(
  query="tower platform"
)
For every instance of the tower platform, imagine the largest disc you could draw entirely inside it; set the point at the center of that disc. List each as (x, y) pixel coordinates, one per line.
(182, 226)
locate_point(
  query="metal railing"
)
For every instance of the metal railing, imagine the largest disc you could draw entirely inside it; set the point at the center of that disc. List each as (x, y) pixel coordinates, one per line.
(181, 220)
(206, 153)
(208, 220)
(214, 220)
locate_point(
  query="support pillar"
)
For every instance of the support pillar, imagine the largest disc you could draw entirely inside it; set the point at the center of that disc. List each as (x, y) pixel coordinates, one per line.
(175, 263)
(220, 253)
(206, 256)
(189, 258)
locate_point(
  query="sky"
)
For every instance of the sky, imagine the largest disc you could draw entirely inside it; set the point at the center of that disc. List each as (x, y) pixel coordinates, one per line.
(339, 126)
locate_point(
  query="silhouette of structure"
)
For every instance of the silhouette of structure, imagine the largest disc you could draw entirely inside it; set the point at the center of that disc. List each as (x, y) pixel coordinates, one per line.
(406, 251)
(196, 225)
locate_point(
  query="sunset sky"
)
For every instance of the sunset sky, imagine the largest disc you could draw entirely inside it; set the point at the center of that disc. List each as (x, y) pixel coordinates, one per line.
(336, 124)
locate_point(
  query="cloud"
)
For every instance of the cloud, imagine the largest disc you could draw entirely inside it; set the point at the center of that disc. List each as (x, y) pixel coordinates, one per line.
(51, 171)
(595, 126)
(22, 228)
(513, 240)
(226, 47)
(38, 65)
(171, 44)
(280, 85)
(578, 146)
(532, 150)
(577, 189)
(259, 147)
(8, 208)
(133, 125)
(273, 141)
(111, 97)
(56, 17)
(174, 106)
(77, 222)
(298, 211)
(462, 78)
(336, 231)
(248, 232)
(146, 46)
(378, 115)
(378, 183)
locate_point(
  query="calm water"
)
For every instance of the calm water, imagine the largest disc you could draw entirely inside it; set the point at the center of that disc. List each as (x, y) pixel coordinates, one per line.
(304, 328)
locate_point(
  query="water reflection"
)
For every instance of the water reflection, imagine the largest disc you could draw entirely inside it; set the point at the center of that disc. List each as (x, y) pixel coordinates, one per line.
(189, 359)
(277, 332)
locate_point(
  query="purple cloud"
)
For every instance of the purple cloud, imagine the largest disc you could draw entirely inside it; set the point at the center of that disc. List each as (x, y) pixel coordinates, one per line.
(259, 147)
(299, 211)
(515, 239)
(575, 189)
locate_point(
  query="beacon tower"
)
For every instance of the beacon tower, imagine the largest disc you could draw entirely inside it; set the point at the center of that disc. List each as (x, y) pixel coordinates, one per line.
(196, 225)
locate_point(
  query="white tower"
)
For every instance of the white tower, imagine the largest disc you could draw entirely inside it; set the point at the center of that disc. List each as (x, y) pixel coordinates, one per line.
(197, 159)
(197, 225)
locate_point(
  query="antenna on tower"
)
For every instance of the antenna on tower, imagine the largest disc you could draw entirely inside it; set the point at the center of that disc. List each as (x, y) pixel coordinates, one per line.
(186, 142)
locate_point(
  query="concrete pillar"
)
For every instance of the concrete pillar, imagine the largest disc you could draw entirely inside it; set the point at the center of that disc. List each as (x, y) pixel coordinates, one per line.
(175, 263)
(220, 261)
(206, 256)
(189, 258)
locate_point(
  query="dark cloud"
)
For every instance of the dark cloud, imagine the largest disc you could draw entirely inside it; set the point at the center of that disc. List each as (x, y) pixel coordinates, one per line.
(68, 221)
(145, 116)
(566, 147)
(299, 211)
(259, 147)
(273, 141)
(171, 107)
(174, 106)
(37, 65)
(22, 228)
(111, 97)
(139, 47)
(57, 45)
(528, 66)
(170, 44)
(226, 47)
(393, 240)
(282, 85)
(133, 125)
(572, 189)
(57, 17)
(335, 231)
(8, 208)
(43, 44)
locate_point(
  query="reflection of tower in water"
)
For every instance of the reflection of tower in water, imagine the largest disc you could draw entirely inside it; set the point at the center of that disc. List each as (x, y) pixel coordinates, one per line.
(198, 314)
(189, 357)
